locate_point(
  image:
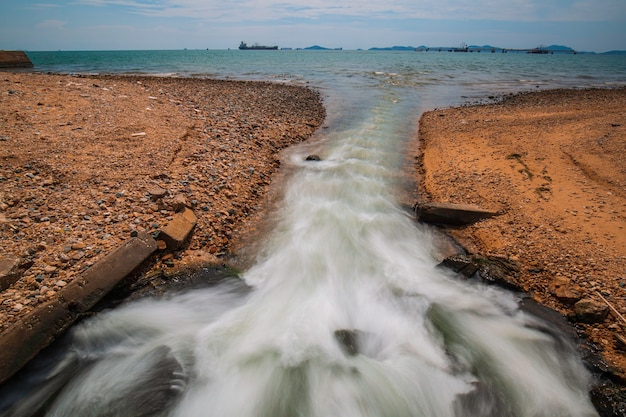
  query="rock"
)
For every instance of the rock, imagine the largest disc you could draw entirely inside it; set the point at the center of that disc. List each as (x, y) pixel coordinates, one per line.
(590, 311)
(561, 288)
(348, 340)
(179, 203)
(463, 264)
(313, 158)
(451, 214)
(177, 231)
(620, 342)
(499, 270)
(156, 192)
(491, 269)
(10, 271)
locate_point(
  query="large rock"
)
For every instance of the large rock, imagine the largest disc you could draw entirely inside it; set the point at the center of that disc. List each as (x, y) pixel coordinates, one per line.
(451, 214)
(589, 310)
(491, 269)
(41, 326)
(14, 59)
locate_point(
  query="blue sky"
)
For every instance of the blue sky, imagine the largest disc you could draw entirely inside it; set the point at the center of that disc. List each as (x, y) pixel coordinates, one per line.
(586, 25)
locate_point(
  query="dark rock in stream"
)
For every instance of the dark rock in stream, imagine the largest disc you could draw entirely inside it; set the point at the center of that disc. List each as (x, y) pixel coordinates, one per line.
(348, 341)
(608, 390)
(155, 390)
(490, 269)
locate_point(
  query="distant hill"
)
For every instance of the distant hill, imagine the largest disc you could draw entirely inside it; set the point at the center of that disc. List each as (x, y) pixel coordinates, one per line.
(394, 48)
(557, 48)
(614, 53)
(320, 48)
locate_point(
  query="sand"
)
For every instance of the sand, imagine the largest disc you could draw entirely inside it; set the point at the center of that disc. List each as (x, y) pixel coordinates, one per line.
(554, 164)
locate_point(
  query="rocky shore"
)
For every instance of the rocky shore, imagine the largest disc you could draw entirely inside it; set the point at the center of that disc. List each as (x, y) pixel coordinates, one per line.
(89, 162)
(552, 165)
(86, 162)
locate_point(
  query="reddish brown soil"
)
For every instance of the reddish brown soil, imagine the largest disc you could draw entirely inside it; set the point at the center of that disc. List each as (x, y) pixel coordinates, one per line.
(79, 157)
(554, 162)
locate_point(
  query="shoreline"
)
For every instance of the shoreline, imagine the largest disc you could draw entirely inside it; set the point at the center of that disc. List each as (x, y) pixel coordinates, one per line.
(151, 145)
(88, 162)
(553, 164)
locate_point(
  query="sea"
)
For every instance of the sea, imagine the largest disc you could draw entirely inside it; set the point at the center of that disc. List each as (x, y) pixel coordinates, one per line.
(422, 80)
(344, 312)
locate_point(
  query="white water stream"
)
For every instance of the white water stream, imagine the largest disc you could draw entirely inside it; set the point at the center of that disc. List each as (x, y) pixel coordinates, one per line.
(346, 315)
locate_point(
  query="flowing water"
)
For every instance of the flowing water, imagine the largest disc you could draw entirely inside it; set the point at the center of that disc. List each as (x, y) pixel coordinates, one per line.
(344, 313)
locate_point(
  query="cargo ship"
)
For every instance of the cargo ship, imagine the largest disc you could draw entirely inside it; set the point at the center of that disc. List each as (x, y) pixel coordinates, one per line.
(244, 46)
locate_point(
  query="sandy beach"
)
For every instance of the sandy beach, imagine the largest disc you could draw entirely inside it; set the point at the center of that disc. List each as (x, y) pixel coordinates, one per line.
(87, 161)
(553, 163)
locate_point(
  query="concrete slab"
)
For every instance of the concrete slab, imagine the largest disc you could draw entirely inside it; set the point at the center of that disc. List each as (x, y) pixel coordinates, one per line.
(42, 326)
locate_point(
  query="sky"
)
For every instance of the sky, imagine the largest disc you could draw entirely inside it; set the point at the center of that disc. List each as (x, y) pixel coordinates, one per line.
(41, 25)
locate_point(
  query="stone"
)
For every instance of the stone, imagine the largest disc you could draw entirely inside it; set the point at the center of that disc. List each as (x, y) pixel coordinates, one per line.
(463, 264)
(313, 158)
(491, 269)
(499, 270)
(179, 202)
(561, 288)
(348, 340)
(589, 310)
(10, 271)
(451, 214)
(156, 192)
(176, 231)
(567, 295)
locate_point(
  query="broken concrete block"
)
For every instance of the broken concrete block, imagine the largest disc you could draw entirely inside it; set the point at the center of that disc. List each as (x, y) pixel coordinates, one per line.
(176, 232)
(40, 327)
(451, 214)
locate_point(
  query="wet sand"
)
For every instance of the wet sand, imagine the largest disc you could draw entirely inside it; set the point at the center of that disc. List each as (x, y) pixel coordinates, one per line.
(554, 164)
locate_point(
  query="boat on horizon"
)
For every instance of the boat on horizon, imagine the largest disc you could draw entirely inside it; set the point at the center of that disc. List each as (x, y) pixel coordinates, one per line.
(244, 46)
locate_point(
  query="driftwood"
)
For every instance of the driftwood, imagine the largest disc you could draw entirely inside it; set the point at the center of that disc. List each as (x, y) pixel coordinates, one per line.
(613, 309)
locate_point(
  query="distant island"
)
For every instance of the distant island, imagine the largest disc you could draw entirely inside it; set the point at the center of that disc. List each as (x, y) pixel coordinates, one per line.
(552, 49)
(540, 50)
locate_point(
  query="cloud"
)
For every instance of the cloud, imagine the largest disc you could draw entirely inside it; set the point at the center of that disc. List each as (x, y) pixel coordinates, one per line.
(44, 6)
(272, 10)
(52, 24)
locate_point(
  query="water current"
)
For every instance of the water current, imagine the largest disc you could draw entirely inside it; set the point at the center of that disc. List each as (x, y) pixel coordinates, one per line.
(345, 312)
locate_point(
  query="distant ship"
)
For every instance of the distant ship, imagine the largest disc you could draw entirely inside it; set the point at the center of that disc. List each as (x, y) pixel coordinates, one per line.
(244, 46)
